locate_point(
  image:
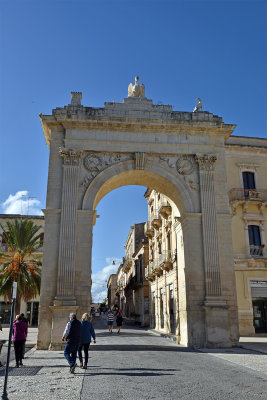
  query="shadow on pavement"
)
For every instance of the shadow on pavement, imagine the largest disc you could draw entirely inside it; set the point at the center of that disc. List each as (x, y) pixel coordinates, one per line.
(131, 347)
(124, 333)
(122, 374)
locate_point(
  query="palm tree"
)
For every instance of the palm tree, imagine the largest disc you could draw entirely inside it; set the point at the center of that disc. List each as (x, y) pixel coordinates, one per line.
(19, 264)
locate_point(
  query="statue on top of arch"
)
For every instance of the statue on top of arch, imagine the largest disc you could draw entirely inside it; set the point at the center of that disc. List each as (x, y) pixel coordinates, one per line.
(136, 90)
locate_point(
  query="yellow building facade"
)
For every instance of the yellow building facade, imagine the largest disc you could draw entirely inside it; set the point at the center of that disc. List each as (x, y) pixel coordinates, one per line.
(247, 186)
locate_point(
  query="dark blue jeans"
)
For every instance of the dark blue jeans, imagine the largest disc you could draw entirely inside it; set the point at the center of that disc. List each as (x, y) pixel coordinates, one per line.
(70, 353)
(85, 347)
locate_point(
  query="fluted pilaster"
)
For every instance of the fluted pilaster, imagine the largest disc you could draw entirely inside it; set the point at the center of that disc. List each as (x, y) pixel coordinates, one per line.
(209, 224)
(67, 241)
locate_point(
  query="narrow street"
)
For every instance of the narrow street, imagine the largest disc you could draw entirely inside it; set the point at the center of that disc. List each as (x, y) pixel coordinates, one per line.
(139, 364)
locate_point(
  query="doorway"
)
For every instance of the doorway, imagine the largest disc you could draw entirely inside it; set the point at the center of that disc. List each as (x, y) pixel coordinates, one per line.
(260, 315)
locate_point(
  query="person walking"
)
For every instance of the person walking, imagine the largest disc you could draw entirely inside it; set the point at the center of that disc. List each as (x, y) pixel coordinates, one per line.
(20, 330)
(72, 335)
(1, 341)
(119, 320)
(110, 319)
(87, 333)
(24, 343)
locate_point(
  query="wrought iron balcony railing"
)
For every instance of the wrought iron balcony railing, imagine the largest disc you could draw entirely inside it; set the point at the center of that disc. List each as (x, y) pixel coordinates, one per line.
(256, 250)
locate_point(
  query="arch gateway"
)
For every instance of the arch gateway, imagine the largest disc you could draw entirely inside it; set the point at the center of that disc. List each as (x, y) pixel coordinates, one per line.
(179, 154)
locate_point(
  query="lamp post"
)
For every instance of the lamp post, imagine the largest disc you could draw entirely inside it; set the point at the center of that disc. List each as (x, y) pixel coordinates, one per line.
(14, 296)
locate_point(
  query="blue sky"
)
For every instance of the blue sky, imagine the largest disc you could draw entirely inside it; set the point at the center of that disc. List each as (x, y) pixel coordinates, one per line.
(181, 50)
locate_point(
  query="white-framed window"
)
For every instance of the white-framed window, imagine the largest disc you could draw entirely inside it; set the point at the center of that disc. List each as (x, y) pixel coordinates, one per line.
(255, 236)
(248, 175)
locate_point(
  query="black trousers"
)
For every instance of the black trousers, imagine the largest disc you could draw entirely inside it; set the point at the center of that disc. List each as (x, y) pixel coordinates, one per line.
(85, 348)
(18, 346)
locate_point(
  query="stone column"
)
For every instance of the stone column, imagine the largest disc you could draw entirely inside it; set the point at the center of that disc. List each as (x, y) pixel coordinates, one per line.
(65, 301)
(216, 308)
(209, 225)
(67, 240)
(85, 222)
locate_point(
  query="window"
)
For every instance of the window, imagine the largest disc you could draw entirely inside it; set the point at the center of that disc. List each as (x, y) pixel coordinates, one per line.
(248, 180)
(254, 235)
(256, 248)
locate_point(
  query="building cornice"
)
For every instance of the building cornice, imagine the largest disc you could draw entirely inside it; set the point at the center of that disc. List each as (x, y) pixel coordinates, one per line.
(135, 125)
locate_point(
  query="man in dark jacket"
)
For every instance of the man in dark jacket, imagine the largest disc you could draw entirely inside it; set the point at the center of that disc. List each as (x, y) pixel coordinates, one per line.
(72, 335)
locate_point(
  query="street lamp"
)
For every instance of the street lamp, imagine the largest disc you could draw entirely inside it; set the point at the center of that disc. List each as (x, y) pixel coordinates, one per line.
(14, 296)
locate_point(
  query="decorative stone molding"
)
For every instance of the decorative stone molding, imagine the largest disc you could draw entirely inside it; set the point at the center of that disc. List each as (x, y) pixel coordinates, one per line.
(97, 162)
(185, 165)
(89, 178)
(194, 185)
(140, 159)
(70, 156)
(206, 162)
(169, 161)
(93, 162)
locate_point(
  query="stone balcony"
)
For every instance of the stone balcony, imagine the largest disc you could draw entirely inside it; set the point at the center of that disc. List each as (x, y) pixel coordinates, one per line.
(241, 194)
(127, 263)
(245, 197)
(166, 260)
(148, 229)
(156, 220)
(149, 272)
(157, 269)
(165, 210)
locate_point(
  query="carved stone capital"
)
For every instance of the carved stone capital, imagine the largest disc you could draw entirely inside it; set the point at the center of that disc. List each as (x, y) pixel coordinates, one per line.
(206, 162)
(70, 156)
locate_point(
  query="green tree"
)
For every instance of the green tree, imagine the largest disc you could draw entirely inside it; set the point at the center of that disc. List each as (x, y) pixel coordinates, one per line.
(20, 263)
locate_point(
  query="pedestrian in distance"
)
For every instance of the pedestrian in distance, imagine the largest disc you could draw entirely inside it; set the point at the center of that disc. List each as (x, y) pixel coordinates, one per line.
(24, 343)
(119, 320)
(20, 330)
(88, 333)
(72, 335)
(110, 319)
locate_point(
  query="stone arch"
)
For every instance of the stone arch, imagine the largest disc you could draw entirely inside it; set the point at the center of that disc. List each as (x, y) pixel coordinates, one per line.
(180, 154)
(156, 176)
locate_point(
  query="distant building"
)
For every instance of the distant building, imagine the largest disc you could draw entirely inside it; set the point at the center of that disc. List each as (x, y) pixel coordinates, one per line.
(112, 285)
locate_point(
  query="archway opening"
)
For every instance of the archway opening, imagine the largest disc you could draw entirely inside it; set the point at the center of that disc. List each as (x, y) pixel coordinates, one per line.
(135, 269)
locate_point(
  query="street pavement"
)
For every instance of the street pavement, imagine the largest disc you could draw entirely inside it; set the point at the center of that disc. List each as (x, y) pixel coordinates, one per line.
(139, 364)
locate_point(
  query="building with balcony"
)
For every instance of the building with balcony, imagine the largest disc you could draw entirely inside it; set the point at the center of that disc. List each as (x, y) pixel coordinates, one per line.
(162, 269)
(246, 161)
(134, 267)
(30, 309)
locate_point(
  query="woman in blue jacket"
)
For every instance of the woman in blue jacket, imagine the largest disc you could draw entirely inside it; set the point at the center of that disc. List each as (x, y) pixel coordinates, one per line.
(87, 333)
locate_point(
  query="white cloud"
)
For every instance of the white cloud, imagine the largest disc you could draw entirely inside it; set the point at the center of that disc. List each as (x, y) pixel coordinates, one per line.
(100, 278)
(21, 203)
